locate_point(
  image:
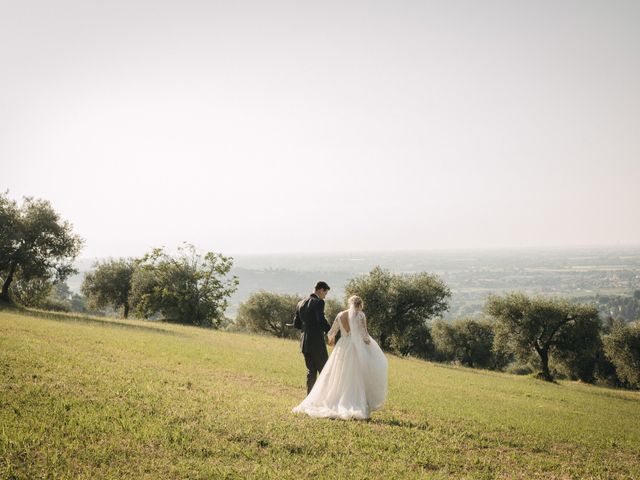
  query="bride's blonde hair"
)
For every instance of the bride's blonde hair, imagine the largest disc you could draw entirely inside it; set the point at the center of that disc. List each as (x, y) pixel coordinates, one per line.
(356, 302)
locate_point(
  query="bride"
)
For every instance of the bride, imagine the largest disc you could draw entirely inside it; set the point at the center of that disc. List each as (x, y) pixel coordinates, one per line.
(353, 383)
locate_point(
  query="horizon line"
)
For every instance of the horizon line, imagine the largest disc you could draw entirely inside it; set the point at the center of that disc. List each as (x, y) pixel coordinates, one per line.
(411, 251)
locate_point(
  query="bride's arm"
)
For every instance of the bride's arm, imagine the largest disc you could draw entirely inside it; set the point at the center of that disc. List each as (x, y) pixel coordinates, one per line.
(333, 331)
(363, 328)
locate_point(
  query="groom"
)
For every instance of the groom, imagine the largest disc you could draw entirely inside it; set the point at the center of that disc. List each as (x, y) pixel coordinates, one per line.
(311, 320)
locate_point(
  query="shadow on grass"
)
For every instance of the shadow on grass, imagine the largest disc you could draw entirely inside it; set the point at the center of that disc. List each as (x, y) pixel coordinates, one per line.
(495, 373)
(83, 319)
(396, 422)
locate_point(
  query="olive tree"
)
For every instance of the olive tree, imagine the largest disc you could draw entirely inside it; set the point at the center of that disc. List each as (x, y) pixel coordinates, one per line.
(399, 306)
(332, 308)
(578, 348)
(188, 287)
(109, 284)
(266, 312)
(35, 243)
(622, 348)
(539, 324)
(466, 341)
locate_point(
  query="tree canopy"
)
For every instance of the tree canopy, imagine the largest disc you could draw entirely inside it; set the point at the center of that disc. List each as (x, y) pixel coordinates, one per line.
(398, 306)
(109, 284)
(185, 288)
(465, 340)
(622, 347)
(540, 324)
(267, 312)
(35, 243)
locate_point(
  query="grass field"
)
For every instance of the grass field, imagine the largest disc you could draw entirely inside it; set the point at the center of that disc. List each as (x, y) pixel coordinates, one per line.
(103, 398)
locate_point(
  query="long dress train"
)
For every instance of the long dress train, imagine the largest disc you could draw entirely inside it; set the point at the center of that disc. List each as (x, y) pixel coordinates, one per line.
(353, 382)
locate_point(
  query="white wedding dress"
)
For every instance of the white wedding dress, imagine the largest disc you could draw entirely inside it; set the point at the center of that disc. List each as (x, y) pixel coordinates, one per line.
(353, 382)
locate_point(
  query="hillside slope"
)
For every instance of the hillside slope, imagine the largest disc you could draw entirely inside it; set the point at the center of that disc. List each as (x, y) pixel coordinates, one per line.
(103, 398)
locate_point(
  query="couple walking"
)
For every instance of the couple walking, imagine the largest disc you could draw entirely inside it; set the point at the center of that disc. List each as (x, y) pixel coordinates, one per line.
(352, 382)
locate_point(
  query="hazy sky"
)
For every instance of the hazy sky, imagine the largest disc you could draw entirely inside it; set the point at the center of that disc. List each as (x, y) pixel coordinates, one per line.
(268, 126)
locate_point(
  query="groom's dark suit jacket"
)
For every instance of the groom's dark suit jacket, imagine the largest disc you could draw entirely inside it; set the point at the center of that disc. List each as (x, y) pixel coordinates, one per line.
(311, 320)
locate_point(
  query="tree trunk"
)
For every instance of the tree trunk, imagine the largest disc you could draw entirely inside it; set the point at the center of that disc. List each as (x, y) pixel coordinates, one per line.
(544, 357)
(4, 296)
(383, 341)
(126, 310)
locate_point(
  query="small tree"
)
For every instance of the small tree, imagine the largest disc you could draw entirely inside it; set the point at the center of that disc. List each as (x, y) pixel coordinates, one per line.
(416, 341)
(579, 348)
(332, 308)
(622, 347)
(537, 324)
(34, 243)
(109, 284)
(399, 305)
(32, 293)
(466, 341)
(44, 294)
(187, 288)
(266, 312)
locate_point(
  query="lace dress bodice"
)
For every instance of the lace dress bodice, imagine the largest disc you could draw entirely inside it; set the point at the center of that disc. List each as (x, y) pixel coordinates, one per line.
(357, 324)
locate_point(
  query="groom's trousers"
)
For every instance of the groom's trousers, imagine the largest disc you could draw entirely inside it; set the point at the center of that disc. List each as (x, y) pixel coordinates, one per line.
(314, 361)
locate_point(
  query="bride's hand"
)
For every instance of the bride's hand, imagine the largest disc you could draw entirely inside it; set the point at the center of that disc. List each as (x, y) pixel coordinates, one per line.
(332, 341)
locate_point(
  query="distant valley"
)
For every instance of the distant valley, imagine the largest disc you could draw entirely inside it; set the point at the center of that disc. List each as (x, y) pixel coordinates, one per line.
(472, 274)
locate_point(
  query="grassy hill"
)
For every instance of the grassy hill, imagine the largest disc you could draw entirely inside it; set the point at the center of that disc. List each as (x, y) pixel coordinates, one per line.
(100, 398)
